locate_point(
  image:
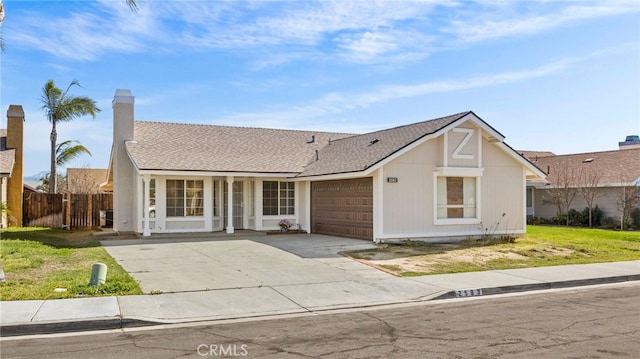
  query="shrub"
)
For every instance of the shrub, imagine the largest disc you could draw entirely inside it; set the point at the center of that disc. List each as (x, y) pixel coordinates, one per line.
(576, 218)
(611, 222)
(635, 218)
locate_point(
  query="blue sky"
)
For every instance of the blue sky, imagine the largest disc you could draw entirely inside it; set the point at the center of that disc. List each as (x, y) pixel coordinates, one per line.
(557, 76)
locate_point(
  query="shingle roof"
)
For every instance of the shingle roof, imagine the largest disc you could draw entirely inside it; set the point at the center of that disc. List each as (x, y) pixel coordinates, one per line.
(360, 152)
(619, 166)
(7, 157)
(534, 155)
(188, 147)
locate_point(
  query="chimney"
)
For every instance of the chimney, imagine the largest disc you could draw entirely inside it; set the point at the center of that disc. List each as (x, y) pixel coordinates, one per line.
(15, 140)
(631, 142)
(124, 175)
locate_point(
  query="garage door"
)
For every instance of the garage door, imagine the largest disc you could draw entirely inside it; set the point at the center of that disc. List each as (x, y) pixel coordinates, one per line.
(343, 208)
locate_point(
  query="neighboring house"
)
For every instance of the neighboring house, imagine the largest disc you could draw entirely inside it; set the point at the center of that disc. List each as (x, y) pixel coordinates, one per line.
(7, 159)
(11, 164)
(451, 177)
(611, 173)
(85, 180)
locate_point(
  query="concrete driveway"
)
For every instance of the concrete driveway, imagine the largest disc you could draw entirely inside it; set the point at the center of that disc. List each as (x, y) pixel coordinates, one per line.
(183, 263)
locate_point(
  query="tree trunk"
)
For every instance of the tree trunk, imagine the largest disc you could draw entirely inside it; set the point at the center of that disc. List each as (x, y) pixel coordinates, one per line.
(52, 173)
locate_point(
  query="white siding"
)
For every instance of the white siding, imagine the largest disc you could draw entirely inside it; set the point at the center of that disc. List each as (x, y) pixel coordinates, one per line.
(503, 188)
(303, 205)
(408, 204)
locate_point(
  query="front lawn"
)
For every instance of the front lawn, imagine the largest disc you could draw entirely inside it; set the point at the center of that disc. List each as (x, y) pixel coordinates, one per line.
(542, 246)
(36, 261)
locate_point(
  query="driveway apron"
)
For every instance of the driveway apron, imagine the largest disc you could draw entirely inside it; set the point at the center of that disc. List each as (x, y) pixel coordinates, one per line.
(197, 264)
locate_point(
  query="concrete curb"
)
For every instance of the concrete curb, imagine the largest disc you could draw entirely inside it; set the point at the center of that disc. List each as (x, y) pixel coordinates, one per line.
(19, 329)
(473, 292)
(13, 330)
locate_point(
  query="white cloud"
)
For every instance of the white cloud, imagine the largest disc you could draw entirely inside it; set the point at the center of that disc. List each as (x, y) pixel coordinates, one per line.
(84, 34)
(277, 33)
(506, 21)
(336, 103)
(283, 30)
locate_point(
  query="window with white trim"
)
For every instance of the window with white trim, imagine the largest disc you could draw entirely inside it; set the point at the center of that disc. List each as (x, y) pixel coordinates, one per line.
(185, 198)
(278, 198)
(457, 197)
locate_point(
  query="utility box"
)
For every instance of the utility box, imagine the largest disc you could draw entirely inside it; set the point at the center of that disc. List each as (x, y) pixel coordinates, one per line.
(106, 218)
(98, 274)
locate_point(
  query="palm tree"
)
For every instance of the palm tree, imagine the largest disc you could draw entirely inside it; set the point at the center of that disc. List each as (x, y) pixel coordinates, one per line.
(132, 4)
(66, 151)
(61, 107)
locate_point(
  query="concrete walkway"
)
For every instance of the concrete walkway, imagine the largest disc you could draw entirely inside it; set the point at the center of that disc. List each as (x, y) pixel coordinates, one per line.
(323, 281)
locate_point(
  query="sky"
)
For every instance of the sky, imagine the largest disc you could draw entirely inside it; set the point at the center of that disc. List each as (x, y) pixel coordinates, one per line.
(560, 76)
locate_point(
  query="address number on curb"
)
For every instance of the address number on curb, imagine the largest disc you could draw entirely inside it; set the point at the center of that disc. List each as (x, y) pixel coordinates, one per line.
(468, 292)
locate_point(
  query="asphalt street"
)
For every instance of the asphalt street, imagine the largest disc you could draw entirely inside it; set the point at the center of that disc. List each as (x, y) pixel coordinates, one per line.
(587, 322)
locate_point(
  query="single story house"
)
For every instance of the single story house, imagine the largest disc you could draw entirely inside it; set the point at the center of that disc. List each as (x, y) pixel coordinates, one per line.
(613, 175)
(451, 177)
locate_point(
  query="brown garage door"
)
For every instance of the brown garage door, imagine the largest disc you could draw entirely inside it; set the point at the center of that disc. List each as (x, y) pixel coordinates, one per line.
(343, 208)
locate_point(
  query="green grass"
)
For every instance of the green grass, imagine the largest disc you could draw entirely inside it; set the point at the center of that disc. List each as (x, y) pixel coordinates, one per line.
(541, 246)
(38, 260)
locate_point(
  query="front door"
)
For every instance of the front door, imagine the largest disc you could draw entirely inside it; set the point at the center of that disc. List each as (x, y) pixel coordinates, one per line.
(238, 205)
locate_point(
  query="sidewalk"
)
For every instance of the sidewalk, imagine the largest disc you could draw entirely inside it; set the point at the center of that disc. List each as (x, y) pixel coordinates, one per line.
(78, 314)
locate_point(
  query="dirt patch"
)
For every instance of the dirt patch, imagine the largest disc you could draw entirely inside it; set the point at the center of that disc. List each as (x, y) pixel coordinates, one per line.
(431, 262)
(422, 258)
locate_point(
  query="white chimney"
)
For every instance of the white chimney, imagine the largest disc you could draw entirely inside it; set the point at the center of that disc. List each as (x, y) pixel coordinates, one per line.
(123, 172)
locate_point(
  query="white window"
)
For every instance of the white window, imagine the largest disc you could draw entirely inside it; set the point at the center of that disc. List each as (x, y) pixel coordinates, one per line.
(185, 198)
(457, 194)
(456, 197)
(278, 198)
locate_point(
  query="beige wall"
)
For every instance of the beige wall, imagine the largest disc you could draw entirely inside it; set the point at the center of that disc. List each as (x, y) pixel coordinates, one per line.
(409, 203)
(503, 188)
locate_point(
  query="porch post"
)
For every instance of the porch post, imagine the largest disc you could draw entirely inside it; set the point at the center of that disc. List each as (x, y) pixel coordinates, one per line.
(378, 205)
(229, 204)
(146, 179)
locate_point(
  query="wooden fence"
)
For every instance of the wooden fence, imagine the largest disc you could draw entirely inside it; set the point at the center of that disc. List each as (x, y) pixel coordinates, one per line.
(70, 211)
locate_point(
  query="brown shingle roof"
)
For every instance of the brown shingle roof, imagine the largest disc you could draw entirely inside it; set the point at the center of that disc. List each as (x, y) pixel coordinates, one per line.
(188, 147)
(360, 152)
(619, 166)
(534, 155)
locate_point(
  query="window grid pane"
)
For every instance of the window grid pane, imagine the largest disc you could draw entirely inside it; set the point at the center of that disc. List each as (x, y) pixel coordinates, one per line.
(456, 197)
(270, 198)
(194, 197)
(175, 198)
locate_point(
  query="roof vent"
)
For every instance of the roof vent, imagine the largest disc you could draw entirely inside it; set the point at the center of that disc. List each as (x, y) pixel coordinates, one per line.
(313, 140)
(588, 160)
(373, 142)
